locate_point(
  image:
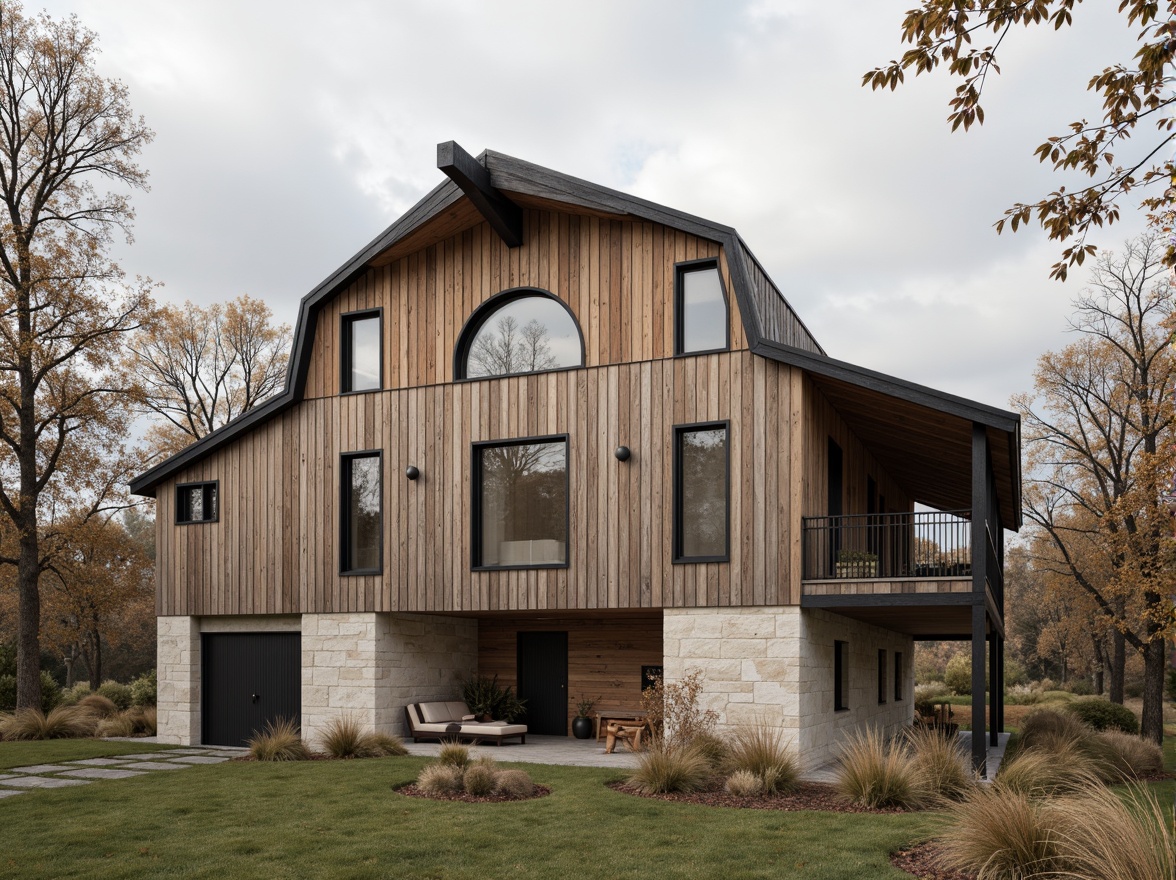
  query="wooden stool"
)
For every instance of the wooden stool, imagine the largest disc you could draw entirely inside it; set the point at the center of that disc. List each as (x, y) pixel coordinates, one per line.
(629, 735)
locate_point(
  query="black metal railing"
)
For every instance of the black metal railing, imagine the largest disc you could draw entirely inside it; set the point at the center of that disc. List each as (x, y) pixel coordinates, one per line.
(935, 544)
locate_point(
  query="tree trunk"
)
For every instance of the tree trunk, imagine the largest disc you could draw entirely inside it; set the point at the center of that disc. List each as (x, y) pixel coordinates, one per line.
(70, 658)
(94, 659)
(1099, 687)
(28, 644)
(1118, 665)
(1151, 726)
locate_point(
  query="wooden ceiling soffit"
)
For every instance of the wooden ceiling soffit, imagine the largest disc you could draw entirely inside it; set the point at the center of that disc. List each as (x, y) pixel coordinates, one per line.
(446, 223)
(503, 215)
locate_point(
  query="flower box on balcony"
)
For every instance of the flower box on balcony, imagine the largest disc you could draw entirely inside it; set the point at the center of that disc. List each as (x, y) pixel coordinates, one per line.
(856, 564)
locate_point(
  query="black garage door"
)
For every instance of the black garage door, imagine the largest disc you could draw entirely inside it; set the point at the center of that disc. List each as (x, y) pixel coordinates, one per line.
(248, 679)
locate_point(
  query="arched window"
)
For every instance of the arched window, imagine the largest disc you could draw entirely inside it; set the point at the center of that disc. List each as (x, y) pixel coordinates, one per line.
(520, 331)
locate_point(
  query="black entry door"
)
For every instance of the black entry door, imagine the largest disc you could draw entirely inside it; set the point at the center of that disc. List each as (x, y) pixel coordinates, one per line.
(543, 681)
(248, 679)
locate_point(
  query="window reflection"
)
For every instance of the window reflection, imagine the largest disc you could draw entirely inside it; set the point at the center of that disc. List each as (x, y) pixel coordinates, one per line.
(528, 334)
(704, 311)
(524, 503)
(702, 505)
(361, 368)
(362, 528)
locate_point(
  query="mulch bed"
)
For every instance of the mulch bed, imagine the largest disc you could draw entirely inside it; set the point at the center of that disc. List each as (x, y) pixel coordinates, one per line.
(806, 796)
(411, 790)
(920, 860)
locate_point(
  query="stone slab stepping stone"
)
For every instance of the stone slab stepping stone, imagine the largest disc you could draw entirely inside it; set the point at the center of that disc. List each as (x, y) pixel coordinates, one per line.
(102, 762)
(156, 765)
(102, 773)
(182, 752)
(148, 756)
(43, 782)
(6, 776)
(227, 754)
(34, 769)
(199, 759)
(10, 792)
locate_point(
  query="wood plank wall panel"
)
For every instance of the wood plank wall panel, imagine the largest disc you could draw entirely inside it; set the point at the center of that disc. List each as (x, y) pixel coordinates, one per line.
(617, 277)
(274, 549)
(777, 320)
(603, 661)
(821, 423)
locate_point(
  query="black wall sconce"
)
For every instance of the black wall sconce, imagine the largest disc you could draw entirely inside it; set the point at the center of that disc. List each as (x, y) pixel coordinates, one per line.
(411, 472)
(622, 453)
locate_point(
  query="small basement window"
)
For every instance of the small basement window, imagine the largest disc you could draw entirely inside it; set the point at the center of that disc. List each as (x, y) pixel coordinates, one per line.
(196, 503)
(840, 676)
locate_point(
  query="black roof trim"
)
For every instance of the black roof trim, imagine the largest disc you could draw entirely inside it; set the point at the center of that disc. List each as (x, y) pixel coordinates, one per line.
(503, 215)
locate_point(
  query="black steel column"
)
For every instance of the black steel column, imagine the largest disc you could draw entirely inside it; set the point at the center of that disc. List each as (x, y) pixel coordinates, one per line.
(994, 648)
(980, 470)
(998, 689)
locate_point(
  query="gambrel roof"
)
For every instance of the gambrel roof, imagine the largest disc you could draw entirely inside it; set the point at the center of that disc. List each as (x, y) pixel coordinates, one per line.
(772, 328)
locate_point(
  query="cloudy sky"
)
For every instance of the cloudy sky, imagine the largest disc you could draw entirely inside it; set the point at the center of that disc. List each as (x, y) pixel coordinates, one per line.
(289, 134)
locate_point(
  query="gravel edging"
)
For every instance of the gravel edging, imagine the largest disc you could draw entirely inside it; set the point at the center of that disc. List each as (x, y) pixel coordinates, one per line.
(411, 790)
(922, 861)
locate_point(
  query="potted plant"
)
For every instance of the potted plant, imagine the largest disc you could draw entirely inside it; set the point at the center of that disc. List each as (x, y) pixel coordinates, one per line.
(488, 701)
(857, 564)
(582, 724)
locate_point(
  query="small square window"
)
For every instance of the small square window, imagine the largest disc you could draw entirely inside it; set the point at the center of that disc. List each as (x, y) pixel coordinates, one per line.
(197, 503)
(840, 676)
(363, 352)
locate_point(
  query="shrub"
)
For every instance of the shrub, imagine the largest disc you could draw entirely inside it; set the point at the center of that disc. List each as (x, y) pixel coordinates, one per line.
(439, 779)
(1015, 673)
(479, 779)
(144, 689)
(483, 696)
(71, 696)
(941, 767)
(98, 705)
(958, 676)
(760, 749)
(667, 767)
(119, 694)
(50, 692)
(673, 710)
(1100, 714)
(1080, 687)
(345, 738)
(875, 773)
(1002, 834)
(1170, 684)
(7, 693)
(514, 784)
(743, 783)
(454, 753)
(62, 722)
(1130, 756)
(278, 742)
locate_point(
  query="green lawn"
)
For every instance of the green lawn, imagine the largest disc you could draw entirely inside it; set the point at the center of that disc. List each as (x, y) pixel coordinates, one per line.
(343, 819)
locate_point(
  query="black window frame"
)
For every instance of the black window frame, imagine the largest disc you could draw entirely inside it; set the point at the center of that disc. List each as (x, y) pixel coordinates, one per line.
(840, 675)
(681, 270)
(345, 460)
(485, 311)
(679, 558)
(898, 674)
(346, 321)
(182, 504)
(476, 500)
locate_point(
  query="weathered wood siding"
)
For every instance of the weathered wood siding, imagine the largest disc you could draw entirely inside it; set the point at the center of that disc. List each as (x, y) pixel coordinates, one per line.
(777, 320)
(274, 549)
(617, 278)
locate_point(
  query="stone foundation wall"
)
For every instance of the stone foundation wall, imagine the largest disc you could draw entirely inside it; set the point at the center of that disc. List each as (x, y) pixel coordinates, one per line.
(775, 665)
(178, 671)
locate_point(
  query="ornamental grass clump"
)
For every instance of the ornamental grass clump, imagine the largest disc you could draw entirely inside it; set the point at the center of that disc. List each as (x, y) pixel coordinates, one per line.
(454, 753)
(440, 779)
(1041, 773)
(761, 750)
(1131, 757)
(1107, 836)
(388, 744)
(62, 722)
(514, 784)
(98, 705)
(875, 773)
(743, 783)
(940, 765)
(480, 779)
(1053, 724)
(666, 767)
(280, 741)
(714, 748)
(1001, 834)
(345, 738)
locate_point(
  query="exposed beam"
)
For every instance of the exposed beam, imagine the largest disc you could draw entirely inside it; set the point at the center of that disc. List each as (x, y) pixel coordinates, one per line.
(503, 215)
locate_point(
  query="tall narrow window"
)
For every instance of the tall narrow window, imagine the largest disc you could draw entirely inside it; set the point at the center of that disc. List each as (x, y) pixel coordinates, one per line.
(196, 503)
(701, 493)
(881, 676)
(521, 504)
(898, 673)
(362, 368)
(840, 676)
(361, 505)
(700, 309)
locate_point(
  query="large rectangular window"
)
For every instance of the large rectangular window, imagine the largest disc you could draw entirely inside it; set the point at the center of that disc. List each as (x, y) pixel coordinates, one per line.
(196, 503)
(701, 493)
(840, 676)
(361, 520)
(700, 308)
(521, 503)
(362, 359)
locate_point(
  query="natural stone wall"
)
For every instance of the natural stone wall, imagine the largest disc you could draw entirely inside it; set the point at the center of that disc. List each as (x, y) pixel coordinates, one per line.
(178, 670)
(775, 665)
(372, 665)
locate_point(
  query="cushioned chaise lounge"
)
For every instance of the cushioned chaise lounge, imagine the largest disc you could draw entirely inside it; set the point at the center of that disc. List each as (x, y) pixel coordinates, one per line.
(453, 720)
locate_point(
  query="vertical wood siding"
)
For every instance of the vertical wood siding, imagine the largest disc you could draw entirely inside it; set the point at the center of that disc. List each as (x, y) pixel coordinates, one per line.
(777, 320)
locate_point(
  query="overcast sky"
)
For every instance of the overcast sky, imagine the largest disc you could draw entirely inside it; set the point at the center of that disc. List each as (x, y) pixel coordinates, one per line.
(289, 134)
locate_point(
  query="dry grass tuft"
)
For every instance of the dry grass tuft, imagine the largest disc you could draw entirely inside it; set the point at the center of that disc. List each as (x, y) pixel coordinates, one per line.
(454, 753)
(1065, 768)
(514, 784)
(1000, 834)
(714, 748)
(279, 742)
(119, 725)
(666, 767)
(761, 750)
(64, 722)
(98, 705)
(440, 779)
(388, 744)
(1108, 837)
(1131, 757)
(940, 765)
(743, 783)
(1051, 725)
(875, 773)
(480, 779)
(346, 738)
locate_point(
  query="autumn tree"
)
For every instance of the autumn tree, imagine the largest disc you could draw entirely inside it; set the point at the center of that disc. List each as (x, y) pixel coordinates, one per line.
(204, 366)
(65, 131)
(1100, 456)
(1136, 99)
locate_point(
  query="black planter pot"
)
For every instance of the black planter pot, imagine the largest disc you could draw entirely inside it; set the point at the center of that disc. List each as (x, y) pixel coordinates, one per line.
(582, 728)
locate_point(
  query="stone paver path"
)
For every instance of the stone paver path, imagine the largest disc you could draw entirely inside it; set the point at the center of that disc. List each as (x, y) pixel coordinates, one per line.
(18, 780)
